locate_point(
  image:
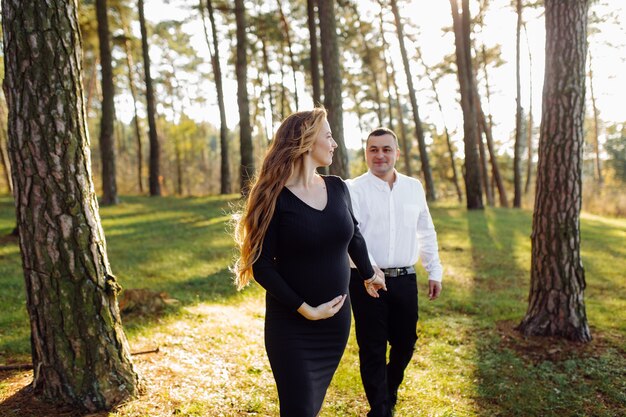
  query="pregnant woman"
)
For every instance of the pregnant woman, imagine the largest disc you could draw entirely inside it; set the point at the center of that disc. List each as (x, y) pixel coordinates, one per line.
(296, 236)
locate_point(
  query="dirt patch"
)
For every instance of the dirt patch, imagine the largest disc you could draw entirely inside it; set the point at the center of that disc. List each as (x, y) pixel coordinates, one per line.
(537, 349)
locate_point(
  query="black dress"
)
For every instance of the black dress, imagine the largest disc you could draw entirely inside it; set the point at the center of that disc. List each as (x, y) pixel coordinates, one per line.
(305, 259)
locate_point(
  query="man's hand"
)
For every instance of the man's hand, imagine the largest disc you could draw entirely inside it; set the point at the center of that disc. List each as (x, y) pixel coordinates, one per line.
(434, 289)
(375, 283)
(322, 311)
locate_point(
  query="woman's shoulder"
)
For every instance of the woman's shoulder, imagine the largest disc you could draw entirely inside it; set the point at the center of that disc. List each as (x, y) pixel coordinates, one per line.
(333, 179)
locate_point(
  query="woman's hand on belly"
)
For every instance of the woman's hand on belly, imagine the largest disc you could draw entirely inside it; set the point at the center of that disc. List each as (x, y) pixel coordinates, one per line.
(322, 311)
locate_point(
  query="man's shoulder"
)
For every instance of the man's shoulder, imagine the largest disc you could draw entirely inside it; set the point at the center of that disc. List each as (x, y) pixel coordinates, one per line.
(358, 181)
(414, 182)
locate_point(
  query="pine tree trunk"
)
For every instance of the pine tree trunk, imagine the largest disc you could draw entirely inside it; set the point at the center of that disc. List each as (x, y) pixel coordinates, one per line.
(386, 63)
(245, 131)
(332, 85)
(530, 128)
(556, 304)
(473, 188)
(519, 130)
(107, 139)
(419, 132)
(225, 179)
(79, 350)
(133, 94)
(292, 59)
(315, 65)
(154, 165)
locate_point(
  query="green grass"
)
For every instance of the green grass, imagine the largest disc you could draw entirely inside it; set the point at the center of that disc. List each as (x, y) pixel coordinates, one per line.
(466, 363)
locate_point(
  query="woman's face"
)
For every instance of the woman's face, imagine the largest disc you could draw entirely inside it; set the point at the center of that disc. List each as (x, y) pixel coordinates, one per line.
(323, 147)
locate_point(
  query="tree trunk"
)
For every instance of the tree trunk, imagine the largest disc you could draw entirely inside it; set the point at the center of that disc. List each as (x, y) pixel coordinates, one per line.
(370, 58)
(386, 63)
(556, 304)
(245, 131)
(403, 135)
(495, 170)
(484, 170)
(332, 85)
(225, 180)
(530, 128)
(455, 176)
(154, 179)
(419, 132)
(596, 127)
(473, 188)
(79, 350)
(107, 139)
(315, 65)
(519, 130)
(292, 60)
(133, 93)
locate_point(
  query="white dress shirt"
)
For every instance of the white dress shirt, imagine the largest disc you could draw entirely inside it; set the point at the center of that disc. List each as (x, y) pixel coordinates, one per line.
(395, 222)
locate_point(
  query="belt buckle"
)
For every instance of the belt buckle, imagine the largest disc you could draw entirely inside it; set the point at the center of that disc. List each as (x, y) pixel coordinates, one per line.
(392, 272)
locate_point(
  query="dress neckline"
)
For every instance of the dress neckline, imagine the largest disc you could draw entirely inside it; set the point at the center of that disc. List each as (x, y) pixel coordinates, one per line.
(308, 205)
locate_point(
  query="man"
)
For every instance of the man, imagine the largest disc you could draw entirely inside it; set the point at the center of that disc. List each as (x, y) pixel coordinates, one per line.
(394, 219)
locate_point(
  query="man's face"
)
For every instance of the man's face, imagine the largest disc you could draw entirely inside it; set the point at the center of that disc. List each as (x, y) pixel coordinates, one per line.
(381, 155)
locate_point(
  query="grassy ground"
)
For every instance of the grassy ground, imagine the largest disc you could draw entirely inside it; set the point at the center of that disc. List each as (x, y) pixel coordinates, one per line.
(469, 361)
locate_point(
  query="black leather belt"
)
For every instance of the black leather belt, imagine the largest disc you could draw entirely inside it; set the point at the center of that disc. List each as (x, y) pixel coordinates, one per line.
(396, 272)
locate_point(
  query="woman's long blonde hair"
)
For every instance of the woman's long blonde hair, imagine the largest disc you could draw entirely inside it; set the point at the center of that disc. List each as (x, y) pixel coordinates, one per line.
(292, 140)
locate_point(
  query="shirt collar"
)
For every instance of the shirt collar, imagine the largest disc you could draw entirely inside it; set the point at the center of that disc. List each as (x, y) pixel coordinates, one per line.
(381, 184)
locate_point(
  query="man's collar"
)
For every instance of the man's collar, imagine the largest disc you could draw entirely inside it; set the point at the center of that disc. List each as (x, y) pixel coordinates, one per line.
(380, 183)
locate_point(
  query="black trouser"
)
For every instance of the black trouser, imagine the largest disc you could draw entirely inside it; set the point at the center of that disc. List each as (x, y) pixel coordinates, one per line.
(390, 318)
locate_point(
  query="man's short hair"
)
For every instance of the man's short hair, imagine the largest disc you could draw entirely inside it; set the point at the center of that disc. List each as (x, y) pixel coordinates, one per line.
(381, 131)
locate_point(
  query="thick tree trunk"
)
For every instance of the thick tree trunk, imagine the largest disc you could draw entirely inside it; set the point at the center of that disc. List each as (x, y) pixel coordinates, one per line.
(332, 85)
(245, 131)
(107, 139)
(79, 350)
(419, 132)
(225, 179)
(154, 179)
(315, 65)
(519, 129)
(556, 304)
(473, 188)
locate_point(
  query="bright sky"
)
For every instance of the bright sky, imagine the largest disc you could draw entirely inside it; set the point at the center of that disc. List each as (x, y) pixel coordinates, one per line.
(609, 65)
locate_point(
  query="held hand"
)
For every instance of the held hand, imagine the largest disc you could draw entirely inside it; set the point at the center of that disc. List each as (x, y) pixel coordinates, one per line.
(375, 283)
(322, 311)
(434, 289)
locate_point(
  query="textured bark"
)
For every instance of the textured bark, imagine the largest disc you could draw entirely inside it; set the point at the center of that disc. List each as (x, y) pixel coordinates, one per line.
(79, 351)
(245, 130)
(225, 179)
(107, 140)
(519, 129)
(461, 24)
(556, 304)
(154, 180)
(419, 131)
(332, 85)
(315, 64)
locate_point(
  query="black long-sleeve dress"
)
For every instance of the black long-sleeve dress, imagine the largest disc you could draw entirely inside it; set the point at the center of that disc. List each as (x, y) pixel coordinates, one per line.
(305, 259)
